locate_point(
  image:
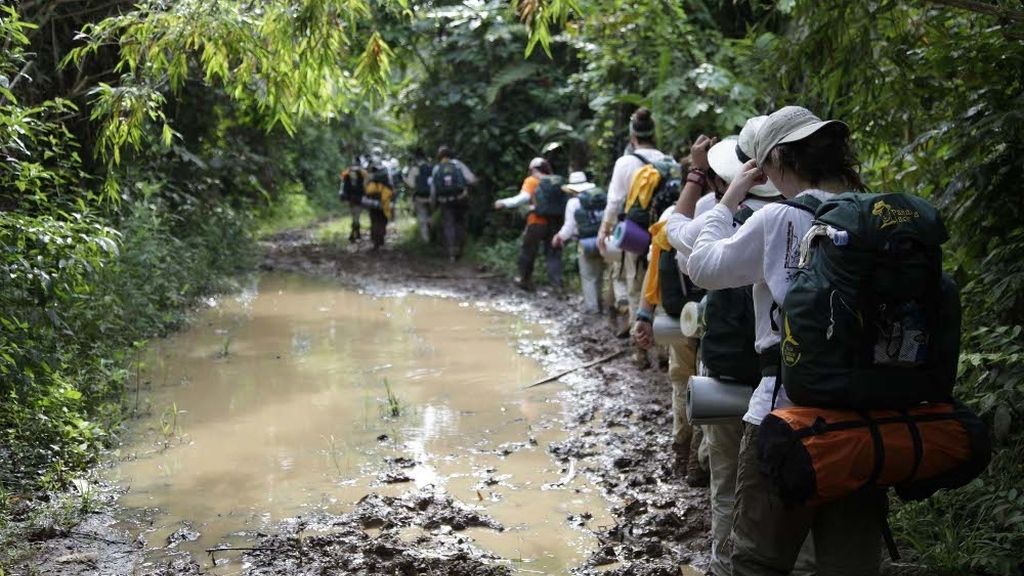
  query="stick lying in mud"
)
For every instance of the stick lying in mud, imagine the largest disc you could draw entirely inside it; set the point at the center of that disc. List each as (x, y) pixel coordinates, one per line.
(600, 360)
(213, 551)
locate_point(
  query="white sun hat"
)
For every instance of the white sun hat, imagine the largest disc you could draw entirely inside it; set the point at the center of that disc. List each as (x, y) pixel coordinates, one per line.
(788, 124)
(578, 183)
(537, 162)
(729, 155)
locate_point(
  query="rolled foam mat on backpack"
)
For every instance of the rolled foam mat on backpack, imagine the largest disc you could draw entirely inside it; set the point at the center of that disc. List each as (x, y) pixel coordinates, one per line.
(631, 237)
(666, 330)
(815, 455)
(589, 245)
(713, 401)
(691, 322)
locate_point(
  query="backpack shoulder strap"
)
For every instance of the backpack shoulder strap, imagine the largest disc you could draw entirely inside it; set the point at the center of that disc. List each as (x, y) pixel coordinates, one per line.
(807, 203)
(641, 158)
(742, 215)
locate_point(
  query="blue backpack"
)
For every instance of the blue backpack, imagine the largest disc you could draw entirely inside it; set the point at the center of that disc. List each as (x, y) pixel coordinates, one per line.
(422, 189)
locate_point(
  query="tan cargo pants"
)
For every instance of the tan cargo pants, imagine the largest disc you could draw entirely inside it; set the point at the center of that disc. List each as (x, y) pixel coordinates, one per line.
(767, 535)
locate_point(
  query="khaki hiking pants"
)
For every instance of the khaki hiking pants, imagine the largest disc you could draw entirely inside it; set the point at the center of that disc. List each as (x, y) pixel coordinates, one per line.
(423, 216)
(723, 442)
(768, 535)
(634, 269)
(682, 363)
(591, 277)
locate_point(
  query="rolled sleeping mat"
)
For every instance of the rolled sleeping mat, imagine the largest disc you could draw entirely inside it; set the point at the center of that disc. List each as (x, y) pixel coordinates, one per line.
(611, 250)
(631, 237)
(713, 401)
(691, 319)
(666, 330)
(589, 246)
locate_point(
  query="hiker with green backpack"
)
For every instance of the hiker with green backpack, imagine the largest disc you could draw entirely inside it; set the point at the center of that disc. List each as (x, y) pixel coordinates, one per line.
(637, 177)
(449, 189)
(417, 179)
(542, 190)
(809, 161)
(726, 350)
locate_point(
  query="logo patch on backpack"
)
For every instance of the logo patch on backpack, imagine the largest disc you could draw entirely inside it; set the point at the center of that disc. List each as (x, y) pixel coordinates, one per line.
(891, 216)
(790, 347)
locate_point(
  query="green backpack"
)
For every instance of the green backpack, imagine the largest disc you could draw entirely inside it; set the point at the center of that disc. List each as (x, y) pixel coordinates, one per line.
(676, 288)
(550, 199)
(870, 320)
(449, 181)
(591, 211)
(727, 346)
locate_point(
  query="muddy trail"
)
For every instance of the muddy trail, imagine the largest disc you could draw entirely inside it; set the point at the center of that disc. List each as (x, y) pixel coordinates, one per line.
(617, 424)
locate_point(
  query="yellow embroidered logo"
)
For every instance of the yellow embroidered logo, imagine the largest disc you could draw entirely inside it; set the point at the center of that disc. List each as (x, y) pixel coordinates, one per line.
(790, 347)
(891, 216)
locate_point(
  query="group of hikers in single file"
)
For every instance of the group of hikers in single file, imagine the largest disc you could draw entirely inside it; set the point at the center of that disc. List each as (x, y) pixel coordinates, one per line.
(812, 336)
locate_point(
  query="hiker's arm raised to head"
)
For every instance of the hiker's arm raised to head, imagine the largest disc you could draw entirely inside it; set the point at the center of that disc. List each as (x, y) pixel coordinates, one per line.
(724, 259)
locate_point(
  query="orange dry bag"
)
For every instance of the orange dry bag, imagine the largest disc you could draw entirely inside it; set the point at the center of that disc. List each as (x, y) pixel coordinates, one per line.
(813, 455)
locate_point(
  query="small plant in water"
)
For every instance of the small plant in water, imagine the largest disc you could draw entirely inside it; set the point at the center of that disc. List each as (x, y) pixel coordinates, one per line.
(169, 423)
(332, 449)
(225, 346)
(392, 405)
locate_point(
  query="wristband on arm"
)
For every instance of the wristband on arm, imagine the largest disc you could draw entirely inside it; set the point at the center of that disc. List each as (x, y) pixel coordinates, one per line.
(697, 176)
(644, 316)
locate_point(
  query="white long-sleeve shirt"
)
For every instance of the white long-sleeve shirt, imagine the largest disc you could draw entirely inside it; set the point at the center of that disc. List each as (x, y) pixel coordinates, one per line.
(622, 176)
(569, 227)
(765, 252)
(676, 223)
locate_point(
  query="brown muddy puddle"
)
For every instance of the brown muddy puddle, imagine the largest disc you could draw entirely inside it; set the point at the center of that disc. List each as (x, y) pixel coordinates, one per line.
(274, 405)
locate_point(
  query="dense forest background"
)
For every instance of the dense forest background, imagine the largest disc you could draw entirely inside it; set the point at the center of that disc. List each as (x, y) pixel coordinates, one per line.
(145, 144)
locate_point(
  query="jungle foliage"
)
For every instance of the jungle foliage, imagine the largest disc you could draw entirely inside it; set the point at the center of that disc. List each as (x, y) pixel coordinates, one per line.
(143, 142)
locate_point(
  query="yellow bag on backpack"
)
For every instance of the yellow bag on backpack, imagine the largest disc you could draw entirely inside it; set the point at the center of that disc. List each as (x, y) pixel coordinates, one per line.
(383, 194)
(641, 190)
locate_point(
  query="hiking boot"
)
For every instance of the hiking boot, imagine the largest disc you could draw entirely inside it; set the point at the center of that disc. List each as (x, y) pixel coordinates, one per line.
(526, 285)
(697, 477)
(641, 359)
(679, 466)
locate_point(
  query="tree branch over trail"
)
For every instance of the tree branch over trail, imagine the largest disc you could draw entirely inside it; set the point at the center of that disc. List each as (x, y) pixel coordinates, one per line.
(979, 7)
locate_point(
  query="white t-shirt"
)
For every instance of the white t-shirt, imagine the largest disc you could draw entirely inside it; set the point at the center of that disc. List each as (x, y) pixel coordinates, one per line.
(765, 252)
(622, 177)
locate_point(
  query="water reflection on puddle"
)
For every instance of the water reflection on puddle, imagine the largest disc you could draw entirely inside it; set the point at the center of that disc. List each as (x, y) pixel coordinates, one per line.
(276, 404)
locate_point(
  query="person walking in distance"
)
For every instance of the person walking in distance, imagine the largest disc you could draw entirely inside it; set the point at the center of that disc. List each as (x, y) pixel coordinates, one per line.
(417, 179)
(353, 186)
(583, 214)
(449, 188)
(543, 191)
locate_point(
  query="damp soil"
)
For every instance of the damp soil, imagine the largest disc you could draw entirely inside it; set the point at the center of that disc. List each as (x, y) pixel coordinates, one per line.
(614, 435)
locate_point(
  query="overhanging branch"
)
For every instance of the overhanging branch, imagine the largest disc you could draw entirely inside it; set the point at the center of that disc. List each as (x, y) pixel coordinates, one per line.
(983, 8)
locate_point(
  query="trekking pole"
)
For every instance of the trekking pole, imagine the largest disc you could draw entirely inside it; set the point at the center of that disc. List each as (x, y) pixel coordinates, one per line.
(600, 360)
